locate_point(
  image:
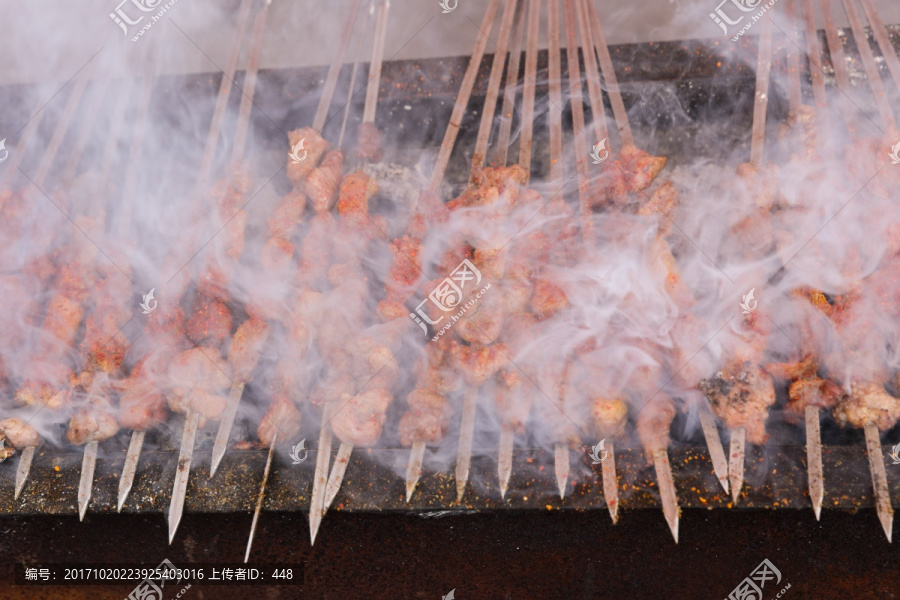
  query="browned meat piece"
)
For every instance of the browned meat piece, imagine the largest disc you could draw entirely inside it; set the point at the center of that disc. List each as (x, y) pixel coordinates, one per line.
(322, 183)
(741, 395)
(282, 419)
(548, 299)
(867, 402)
(287, 215)
(210, 321)
(405, 268)
(610, 415)
(368, 146)
(314, 146)
(6, 451)
(104, 341)
(315, 250)
(246, 348)
(482, 323)
(388, 310)
(63, 319)
(662, 203)
(478, 363)
(141, 405)
(427, 418)
(92, 424)
(353, 205)
(811, 391)
(640, 167)
(232, 238)
(165, 326)
(760, 188)
(653, 423)
(199, 368)
(358, 419)
(210, 405)
(19, 434)
(46, 383)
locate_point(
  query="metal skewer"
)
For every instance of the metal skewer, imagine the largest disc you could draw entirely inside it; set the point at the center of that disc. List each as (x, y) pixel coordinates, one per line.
(183, 471)
(879, 479)
(736, 452)
(667, 490)
(466, 435)
(414, 468)
(610, 484)
(320, 478)
(339, 468)
(137, 437)
(237, 155)
(504, 460)
(736, 461)
(88, 464)
(814, 459)
(262, 495)
(714, 444)
(22, 469)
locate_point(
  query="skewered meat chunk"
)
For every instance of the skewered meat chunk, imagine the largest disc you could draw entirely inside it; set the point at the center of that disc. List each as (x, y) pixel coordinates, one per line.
(63, 319)
(868, 402)
(104, 341)
(478, 363)
(322, 183)
(46, 384)
(92, 423)
(368, 146)
(6, 451)
(19, 434)
(246, 348)
(405, 268)
(287, 215)
(640, 167)
(427, 418)
(282, 419)
(806, 387)
(653, 423)
(353, 205)
(314, 146)
(740, 395)
(610, 415)
(210, 321)
(358, 419)
(199, 368)
(482, 324)
(141, 406)
(548, 299)
(209, 404)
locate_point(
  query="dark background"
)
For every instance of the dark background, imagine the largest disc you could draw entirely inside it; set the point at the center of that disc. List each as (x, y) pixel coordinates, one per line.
(533, 554)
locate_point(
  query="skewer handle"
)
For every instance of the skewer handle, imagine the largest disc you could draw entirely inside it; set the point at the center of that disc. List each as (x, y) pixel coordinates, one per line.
(667, 490)
(561, 466)
(259, 499)
(86, 484)
(183, 471)
(714, 444)
(414, 468)
(610, 485)
(338, 470)
(23, 468)
(814, 459)
(225, 427)
(879, 480)
(128, 471)
(736, 462)
(466, 435)
(504, 459)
